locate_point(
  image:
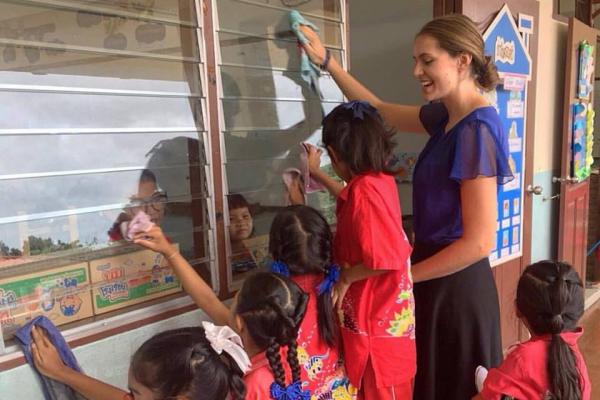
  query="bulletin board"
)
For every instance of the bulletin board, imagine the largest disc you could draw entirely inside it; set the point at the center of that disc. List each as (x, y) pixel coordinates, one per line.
(506, 44)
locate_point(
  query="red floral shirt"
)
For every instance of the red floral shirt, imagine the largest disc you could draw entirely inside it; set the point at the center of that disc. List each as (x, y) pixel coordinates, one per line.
(378, 312)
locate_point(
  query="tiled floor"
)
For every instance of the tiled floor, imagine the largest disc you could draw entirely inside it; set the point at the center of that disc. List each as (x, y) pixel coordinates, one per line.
(590, 346)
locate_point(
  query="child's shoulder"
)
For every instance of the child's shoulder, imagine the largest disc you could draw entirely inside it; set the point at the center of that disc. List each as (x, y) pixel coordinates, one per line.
(373, 182)
(526, 352)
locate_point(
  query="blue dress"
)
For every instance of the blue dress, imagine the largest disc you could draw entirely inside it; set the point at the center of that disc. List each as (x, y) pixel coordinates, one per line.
(457, 317)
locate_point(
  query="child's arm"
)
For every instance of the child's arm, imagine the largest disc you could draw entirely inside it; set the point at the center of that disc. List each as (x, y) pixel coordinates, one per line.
(194, 285)
(48, 363)
(350, 275)
(314, 167)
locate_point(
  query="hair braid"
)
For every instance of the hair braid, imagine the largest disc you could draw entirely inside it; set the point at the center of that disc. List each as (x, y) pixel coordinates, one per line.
(274, 358)
(292, 359)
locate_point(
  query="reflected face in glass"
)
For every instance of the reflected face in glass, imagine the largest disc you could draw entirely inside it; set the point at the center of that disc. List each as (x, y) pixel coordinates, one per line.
(240, 224)
(150, 200)
(435, 68)
(139, 391)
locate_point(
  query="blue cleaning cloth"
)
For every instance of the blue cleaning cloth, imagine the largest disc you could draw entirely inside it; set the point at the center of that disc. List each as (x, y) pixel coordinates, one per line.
(309, 71)
(53, 390)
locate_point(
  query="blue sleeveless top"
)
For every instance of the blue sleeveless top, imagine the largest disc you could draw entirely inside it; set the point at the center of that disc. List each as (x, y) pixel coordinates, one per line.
(475, 146)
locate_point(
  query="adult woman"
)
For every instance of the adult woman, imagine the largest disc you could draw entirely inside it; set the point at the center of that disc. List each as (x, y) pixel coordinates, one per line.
(454, 201)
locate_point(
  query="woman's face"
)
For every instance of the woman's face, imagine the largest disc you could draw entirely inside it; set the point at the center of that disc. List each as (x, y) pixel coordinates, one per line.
(240, 224)
(437, 71)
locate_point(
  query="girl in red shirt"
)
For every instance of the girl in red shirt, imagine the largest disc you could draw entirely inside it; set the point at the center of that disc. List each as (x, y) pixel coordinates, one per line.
(181, 363)
(550, 301)
(374, 293)
(300, 242)
(266, 313)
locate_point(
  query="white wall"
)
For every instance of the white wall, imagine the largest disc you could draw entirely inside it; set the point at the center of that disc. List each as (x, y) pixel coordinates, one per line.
(381, 38)
(550, 71)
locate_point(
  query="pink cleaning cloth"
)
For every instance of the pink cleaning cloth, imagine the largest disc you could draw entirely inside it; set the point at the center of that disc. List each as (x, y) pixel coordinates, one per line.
(140, 223)
(289, 176)
(310, 185)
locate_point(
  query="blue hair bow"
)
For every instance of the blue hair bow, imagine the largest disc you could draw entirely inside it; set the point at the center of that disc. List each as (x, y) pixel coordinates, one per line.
(281, 268)
(292, 392)
(360, 108)
(333, 275)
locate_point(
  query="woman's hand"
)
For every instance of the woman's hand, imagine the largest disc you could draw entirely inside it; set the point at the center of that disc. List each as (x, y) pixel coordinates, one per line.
(46, 357)
(314, 48)
(313, 158)
(155, 240)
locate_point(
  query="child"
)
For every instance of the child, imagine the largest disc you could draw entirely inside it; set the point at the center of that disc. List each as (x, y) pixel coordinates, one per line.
(180, 363)
(241, 225)
(550, 301)
(374, 293)
(300, 243)
(266, 312)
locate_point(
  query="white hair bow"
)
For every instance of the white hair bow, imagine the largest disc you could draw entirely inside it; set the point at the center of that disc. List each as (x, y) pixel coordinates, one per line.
(223, 338)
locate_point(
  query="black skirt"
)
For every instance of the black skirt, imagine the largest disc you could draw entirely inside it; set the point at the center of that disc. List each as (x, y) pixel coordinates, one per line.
(457, 327)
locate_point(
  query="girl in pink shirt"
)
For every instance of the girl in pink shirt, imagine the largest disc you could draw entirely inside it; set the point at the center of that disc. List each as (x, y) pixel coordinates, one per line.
(550, 301)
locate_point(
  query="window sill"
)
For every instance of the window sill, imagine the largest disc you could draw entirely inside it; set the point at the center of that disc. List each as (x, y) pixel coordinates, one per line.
(87, 332)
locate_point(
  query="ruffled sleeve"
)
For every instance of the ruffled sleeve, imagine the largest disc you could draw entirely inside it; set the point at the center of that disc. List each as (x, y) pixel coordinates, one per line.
(434, 117)
(480, 151)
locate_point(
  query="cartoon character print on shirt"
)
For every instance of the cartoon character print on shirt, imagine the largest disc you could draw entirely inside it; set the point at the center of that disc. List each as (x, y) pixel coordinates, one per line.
(339, 388)
(313, 365)
(70, 305)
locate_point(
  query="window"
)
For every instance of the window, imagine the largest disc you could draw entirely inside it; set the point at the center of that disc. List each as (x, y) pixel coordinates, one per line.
(105, 112)
(268, 111)
(103, 109)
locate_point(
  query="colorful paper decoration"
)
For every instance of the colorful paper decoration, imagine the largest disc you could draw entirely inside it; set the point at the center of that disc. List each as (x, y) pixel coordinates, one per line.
(586, 70)
(582, 140)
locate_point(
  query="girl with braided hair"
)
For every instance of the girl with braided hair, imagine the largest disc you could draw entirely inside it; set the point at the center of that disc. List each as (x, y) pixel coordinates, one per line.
(549, 366)
(266, 313)
(300, 243)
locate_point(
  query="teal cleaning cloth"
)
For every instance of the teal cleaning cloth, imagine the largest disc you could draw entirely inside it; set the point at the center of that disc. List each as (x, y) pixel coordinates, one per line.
(309, 71)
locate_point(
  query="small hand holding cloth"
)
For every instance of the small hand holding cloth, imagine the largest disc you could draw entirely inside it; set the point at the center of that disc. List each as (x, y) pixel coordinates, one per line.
(309, 71)
(140, 223)
(53, 390)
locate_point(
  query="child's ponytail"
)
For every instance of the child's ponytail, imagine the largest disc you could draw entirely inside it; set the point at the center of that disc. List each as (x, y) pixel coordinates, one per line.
(562, 366)
(550, 298)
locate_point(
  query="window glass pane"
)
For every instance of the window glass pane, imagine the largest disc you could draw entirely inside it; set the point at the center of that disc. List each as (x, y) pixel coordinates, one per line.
(254, 19)
(322, 8)
(95, 31)
(98, 151)
(68, 110)
(253, 51)
(68, 68)
(250, 82)
(170, 10)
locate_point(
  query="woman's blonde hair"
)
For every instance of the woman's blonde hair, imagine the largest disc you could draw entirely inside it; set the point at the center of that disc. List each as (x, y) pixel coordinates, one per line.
(457, 33)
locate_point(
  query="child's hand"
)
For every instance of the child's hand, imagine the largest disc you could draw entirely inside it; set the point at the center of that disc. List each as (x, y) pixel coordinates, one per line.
(313, 158)
(155, 240)
(314, 48)
(45, 356)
